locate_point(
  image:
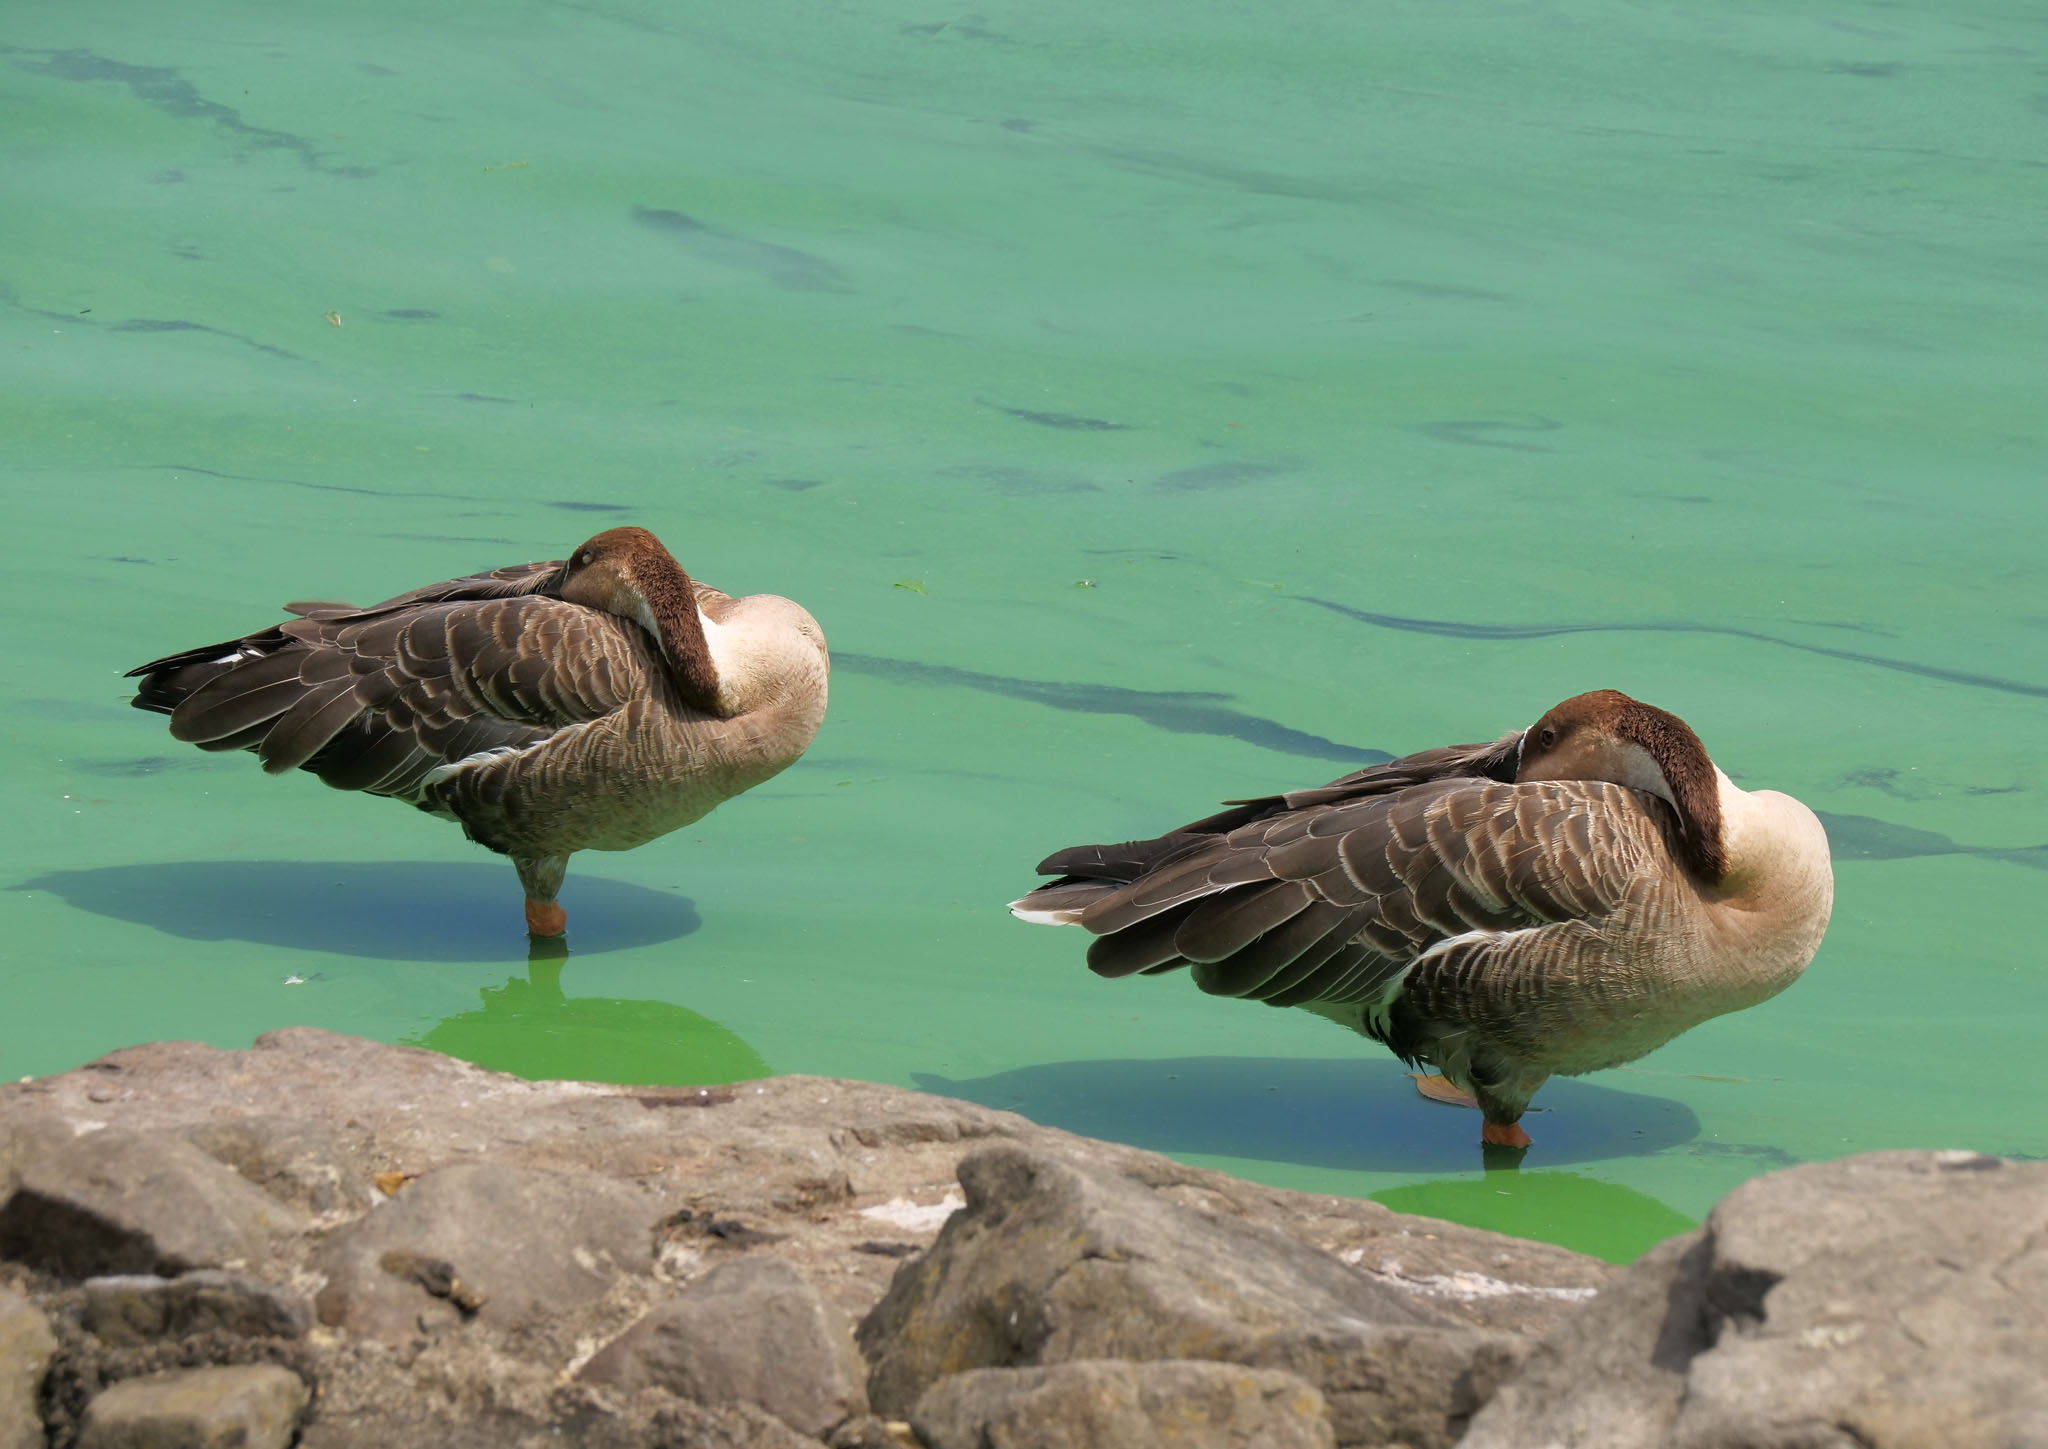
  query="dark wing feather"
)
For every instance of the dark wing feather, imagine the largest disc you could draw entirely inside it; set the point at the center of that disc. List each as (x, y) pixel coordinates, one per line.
(376, 698)
(453, 680)
(317, 716)
(1335, 899)
(512, 581)
(1131, 859)
(234, 699)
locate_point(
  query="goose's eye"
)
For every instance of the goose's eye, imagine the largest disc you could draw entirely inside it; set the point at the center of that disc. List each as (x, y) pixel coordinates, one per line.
(1547, 738)
(585, 557)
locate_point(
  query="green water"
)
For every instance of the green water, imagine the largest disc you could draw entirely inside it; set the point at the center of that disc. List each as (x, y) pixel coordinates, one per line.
(1156, 404)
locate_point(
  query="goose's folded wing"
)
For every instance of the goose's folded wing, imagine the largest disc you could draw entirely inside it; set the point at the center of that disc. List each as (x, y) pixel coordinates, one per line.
(376, 699)
(1333, 902)
(1128, 860)
(508, 582)
(1493, 760)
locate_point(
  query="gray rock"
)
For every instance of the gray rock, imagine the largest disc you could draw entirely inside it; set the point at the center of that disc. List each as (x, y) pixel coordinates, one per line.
(1888, 1301)
(26, 1134)
(1050, 1263)
(302, 1163)
(136, 1308)
(121, 1202)
(255, 1406)
(870, 1432)
(313, 1117)
(654, 1421)
(1612, 1375)
(513, 1246)
(682, 1424)
(752, 1330)
(481, 1301)
(26, 1344)
(1173, 1404)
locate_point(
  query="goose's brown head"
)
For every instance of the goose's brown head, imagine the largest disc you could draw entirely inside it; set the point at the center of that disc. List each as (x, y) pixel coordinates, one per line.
(1605, 735)
(616, 570)
(627, 572)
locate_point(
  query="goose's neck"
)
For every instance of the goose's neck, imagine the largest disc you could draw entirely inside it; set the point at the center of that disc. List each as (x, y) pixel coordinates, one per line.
(668, 610)
(1776, 849)
(1768, 913)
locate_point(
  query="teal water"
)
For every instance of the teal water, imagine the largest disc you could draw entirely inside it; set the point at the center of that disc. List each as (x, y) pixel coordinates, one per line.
(1156, 404)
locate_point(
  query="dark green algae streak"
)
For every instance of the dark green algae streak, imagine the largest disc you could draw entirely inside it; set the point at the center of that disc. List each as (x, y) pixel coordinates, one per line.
(1246, 403)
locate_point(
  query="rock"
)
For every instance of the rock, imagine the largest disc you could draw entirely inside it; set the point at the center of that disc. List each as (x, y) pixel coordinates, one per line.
(1171, 1404)
(514, 1246)
(870, 1432)
(255, 1406)
(122, 1202)
(752, 1330)
(809, 1157)
(27, 1134)
(655, 1421)
(1889, 1301)
(136, 1308)
(26, 1345)
(302, 1163)
(1614, 1374)
(454, 1312)
(686, 1425)
(1051, 1262)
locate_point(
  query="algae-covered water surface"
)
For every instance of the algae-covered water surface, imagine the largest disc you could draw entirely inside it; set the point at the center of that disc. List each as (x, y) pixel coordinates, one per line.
(1156, 404)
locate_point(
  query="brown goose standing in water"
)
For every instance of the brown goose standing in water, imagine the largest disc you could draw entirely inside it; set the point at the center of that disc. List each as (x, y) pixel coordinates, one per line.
(1569, 897)
(587, 704)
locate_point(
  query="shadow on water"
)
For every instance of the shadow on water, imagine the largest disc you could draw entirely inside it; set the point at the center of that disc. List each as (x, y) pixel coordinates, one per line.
(1863, 837)
(1347, 1113)
(1458, 629)
(531, 1028)
(1197, 712)
(397, 910)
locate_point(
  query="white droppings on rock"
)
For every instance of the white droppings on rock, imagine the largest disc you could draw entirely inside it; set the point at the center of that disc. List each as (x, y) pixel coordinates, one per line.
(90, 1124)
(915, 1217)
(1466, 1287)
(678, 1262)
(1830, 1335)
(586, 1350)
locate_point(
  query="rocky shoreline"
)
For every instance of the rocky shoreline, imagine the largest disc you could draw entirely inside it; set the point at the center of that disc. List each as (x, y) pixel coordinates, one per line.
(330, 1242)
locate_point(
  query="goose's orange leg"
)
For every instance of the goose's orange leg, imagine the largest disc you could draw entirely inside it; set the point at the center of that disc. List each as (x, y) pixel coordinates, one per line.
(541, 875)
(1503, 1134)
(545, 918)
(1492, 1134)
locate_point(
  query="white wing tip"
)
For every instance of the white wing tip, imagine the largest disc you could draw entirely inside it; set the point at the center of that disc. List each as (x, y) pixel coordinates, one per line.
(1044, 918)
(441, 772)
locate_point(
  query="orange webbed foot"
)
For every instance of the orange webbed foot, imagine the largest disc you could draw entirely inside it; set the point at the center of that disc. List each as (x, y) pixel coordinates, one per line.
(1442, 1089)
(545, 919)
(1503, 1134)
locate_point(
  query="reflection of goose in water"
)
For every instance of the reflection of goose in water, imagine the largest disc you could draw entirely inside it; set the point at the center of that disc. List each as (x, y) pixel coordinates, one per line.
(1567, 1208)
(531, 1028)
(589, 704)
(1567, 898)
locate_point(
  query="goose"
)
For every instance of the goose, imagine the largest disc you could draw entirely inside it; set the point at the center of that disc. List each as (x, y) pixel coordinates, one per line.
(1566, 898)
(593, 703)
